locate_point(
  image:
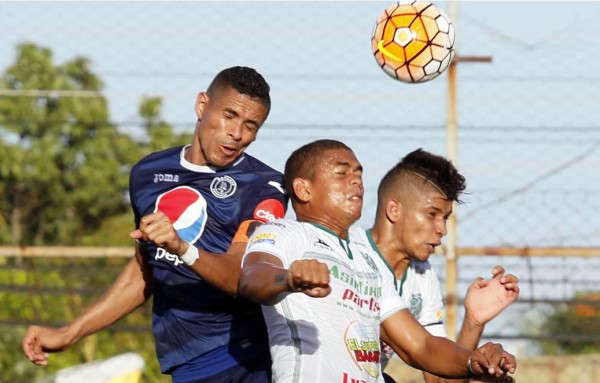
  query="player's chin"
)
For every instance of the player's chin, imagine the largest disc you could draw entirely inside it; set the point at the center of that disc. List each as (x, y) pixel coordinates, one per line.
(224, 161)
(425, 253)
(355, 214)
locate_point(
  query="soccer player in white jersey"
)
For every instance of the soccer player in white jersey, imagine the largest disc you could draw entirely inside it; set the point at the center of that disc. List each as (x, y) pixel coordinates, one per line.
(414, 201)
(325, 300)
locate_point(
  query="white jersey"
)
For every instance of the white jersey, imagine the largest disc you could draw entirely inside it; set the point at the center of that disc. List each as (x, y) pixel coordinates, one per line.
(419, 287)
(334, 339)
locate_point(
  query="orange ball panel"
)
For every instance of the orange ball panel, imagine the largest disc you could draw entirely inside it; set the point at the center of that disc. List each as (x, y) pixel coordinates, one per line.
(388, 33)
(403, 73)
(395, 53)
(430, 26)
(432, 12)
(442, 40)
(417, 72)
(422, 59)
(439, 53)
(414, 49)
(402, 21)
(418, 6)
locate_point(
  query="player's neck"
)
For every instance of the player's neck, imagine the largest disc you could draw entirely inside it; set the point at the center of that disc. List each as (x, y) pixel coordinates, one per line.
(389, 246)
(334, 227)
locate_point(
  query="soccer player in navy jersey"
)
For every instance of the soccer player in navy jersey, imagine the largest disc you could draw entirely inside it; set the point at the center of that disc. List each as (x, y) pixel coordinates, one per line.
(194, 208)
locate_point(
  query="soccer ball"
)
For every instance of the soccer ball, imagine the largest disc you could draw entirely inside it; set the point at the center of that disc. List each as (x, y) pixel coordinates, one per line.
(413, 42)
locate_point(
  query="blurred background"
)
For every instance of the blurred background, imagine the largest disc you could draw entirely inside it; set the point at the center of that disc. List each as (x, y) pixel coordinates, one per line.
(89, 88)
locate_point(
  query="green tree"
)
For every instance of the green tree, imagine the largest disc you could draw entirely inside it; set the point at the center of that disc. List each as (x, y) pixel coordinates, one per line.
(160, 133)
(575, 327)
(63, 165)
(64, 173)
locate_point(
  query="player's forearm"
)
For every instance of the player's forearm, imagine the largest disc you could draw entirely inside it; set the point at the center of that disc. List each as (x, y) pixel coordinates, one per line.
(442, 359)
(470, 334)
(220, 270)
(264, 283)
(430, 378)
(128, 292)
(468, 337)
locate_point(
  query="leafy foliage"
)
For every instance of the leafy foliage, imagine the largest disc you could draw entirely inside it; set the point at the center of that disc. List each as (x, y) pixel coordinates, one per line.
(54, 291)
(64, 173)
(581, 320)
(64, 167)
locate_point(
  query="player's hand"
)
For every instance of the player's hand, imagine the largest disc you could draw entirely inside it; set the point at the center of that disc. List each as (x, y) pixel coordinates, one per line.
(39, 341)
(491, 360)
(486, 299)
(158, 229)
(310, 277)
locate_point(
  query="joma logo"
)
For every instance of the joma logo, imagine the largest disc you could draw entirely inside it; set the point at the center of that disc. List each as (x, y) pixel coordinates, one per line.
(165, 178)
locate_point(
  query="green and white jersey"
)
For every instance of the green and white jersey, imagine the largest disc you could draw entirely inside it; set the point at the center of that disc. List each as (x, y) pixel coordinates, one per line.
(336, 338)
(419, 287)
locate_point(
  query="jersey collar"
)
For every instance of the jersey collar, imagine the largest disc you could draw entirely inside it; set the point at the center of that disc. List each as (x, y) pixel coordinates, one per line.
(204, 168)
(374, 246)
(344, 243)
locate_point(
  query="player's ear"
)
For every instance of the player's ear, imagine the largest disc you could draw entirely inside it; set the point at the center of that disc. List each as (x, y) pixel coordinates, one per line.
(201, 101)
(301, 189)
(393, 210)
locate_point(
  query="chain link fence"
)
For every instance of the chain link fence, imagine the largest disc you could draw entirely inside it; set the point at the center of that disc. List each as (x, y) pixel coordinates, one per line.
(528, 130)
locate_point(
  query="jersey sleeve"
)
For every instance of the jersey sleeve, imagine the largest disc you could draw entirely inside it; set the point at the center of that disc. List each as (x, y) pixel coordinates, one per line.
(269, 198)
(276, 238)
(268, 204)
(432, 312)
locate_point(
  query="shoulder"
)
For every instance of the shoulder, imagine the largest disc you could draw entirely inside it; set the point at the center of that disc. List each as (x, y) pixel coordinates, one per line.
(279, 233)
(252, 163)
(283, 225)
(157, 157)
(356, 232)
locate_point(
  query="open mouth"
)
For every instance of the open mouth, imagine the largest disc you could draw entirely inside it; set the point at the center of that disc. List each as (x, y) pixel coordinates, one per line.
(228, 150)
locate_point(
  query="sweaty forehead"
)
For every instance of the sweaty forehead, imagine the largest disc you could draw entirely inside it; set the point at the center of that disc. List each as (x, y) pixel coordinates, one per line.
(339, 157)
(430, 196)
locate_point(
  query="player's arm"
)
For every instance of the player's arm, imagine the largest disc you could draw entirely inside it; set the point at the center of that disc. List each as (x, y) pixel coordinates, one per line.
(266, 281)
(130, 290)
(223, 272)
(484, 301)
(441, 356)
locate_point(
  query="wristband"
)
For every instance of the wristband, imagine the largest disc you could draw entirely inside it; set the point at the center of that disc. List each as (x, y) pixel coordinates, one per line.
(191, 255)
(469, 368)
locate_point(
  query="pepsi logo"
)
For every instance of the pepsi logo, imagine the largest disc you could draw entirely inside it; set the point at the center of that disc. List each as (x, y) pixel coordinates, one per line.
(186, 209)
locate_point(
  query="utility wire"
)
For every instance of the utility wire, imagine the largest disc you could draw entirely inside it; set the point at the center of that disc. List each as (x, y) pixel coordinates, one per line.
(535, 181)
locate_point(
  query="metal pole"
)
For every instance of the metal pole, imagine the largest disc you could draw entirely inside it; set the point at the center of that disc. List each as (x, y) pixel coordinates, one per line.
(451, 128)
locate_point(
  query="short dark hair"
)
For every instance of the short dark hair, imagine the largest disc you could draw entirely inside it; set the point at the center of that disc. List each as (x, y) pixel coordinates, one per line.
(431, 168)
(302, 161)
(243, 79)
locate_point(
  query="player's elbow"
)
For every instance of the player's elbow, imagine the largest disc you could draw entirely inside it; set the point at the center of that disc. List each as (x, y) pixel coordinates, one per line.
(252, 286)
(245, 286)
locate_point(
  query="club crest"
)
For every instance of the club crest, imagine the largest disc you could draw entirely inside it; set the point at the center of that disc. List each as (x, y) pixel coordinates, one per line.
(223, 187)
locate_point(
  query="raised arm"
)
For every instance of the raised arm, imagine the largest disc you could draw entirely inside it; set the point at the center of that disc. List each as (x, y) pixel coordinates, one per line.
(264, 280)
(130, 290)
(222, 271)
(483, 302)
(441, 356)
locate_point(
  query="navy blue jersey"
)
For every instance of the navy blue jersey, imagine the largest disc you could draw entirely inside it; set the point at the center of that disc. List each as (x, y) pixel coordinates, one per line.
(206, 205)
